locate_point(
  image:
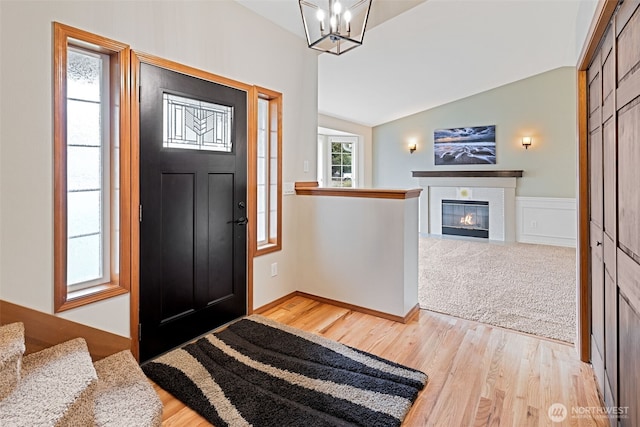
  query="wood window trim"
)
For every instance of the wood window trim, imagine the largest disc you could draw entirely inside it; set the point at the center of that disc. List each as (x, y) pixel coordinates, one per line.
(274, 244)
(120, 53)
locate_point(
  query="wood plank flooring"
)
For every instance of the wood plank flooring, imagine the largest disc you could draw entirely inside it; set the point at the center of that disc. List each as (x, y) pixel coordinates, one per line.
(479, 375)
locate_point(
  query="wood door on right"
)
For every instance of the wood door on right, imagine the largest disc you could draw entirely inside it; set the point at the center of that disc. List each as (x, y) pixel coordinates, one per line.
(627, 25)
(614, 193)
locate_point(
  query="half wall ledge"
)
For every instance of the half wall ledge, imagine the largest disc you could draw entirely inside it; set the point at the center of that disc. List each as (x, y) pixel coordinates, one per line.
(310, 188)
(468, 174)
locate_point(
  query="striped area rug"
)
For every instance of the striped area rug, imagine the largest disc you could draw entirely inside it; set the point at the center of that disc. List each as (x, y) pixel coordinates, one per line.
(263, 373)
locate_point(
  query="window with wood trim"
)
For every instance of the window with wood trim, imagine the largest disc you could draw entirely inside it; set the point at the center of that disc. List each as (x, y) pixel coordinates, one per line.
(266, 236)
(91, 167)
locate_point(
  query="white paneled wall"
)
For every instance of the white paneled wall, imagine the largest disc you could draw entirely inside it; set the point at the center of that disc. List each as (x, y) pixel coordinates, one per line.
(546, 220)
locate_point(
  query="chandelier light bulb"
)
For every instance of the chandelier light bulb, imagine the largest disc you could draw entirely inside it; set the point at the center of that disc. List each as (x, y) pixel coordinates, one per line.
(334, 23)
(320, 15)
(337, 8)
(347, 20)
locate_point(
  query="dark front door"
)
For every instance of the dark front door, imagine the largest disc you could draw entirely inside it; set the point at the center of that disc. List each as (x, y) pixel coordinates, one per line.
(193, 184)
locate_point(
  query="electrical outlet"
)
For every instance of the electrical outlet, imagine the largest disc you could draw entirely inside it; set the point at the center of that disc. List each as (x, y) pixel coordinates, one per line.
(306, 166)
(274, 269)
(534, 224)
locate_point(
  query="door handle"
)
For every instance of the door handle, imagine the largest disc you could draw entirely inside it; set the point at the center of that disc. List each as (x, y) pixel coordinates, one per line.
(598, 243)
(240, 221)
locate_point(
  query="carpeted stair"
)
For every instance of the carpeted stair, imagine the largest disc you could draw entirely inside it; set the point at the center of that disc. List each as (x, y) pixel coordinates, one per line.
(11, 351)
(124, 396)
(60, 386)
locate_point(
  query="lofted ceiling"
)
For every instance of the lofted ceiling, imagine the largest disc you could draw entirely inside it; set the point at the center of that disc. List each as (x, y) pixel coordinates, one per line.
(419, 54)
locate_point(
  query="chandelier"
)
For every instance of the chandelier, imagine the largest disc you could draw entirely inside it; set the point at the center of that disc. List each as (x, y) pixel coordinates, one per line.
(334, 26)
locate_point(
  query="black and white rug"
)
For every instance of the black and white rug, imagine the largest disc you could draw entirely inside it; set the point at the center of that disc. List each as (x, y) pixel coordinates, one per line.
(262, 373)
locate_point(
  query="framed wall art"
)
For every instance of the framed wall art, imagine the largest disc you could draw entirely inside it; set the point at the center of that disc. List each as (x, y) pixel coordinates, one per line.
(465, 146)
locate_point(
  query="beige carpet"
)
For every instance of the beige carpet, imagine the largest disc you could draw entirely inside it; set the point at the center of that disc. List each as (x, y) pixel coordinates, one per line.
(529, 288)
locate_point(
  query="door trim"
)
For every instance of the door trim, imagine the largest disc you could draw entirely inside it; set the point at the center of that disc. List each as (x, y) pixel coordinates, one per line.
(601, 19)
(136, 59)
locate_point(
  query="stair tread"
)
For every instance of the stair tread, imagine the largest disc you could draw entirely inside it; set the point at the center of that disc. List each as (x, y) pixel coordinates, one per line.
(11, 351)
(57, 383)
(124, 396)
(11, 342)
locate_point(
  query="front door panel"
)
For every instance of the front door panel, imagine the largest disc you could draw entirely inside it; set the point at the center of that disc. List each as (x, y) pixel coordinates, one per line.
(193, 155)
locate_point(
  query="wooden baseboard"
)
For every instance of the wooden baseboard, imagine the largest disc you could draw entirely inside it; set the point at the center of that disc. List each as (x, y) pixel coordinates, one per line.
(412, 313)
(341, 304)
(44, 330)
(274, 303)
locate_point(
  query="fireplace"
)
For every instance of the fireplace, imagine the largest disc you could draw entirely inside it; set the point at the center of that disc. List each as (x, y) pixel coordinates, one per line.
(465, 218)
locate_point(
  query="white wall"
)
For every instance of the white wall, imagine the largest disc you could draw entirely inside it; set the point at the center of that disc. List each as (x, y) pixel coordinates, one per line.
(444, 50)
(361, 251)
(217, 36)
(1, 190)
(586, 12)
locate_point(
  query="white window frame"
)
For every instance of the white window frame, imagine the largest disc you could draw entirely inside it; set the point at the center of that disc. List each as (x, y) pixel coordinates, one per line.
(105, 187)
(325, 166)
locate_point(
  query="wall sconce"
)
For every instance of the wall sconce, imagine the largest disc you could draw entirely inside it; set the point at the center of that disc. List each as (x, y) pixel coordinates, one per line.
(412, 145)
(526, 142)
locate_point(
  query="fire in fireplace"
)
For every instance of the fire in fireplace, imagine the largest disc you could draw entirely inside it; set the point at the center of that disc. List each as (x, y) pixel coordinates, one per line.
(465, 218)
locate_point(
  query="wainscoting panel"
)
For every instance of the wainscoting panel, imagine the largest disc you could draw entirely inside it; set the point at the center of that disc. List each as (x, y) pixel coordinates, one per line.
(546, 221)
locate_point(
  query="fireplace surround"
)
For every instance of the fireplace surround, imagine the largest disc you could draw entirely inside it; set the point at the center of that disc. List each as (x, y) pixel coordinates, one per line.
(497, 187)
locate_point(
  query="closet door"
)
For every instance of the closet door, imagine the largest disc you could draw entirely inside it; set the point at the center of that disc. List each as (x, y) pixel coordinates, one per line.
(610, 212)
(596, 210)
(627, 25)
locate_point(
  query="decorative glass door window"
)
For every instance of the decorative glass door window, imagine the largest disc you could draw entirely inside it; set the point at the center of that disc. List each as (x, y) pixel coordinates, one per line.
(196, 125)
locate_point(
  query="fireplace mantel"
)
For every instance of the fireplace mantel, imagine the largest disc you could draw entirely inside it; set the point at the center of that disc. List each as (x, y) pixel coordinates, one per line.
(469, 174)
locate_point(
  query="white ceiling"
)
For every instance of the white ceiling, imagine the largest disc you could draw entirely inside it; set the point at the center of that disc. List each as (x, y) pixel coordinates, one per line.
(419, 54)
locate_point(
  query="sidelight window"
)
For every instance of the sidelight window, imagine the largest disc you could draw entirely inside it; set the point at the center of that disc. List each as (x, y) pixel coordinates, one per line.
(89, 169)
(268, 172)
(91, 134)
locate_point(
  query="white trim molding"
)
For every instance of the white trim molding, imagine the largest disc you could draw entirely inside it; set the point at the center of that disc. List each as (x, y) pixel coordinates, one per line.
(546, 221)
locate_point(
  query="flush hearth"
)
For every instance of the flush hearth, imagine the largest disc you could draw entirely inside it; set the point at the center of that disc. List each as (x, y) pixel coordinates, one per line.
(465, 218)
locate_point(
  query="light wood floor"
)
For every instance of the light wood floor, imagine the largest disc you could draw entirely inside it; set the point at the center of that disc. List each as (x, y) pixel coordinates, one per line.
(478, 375)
